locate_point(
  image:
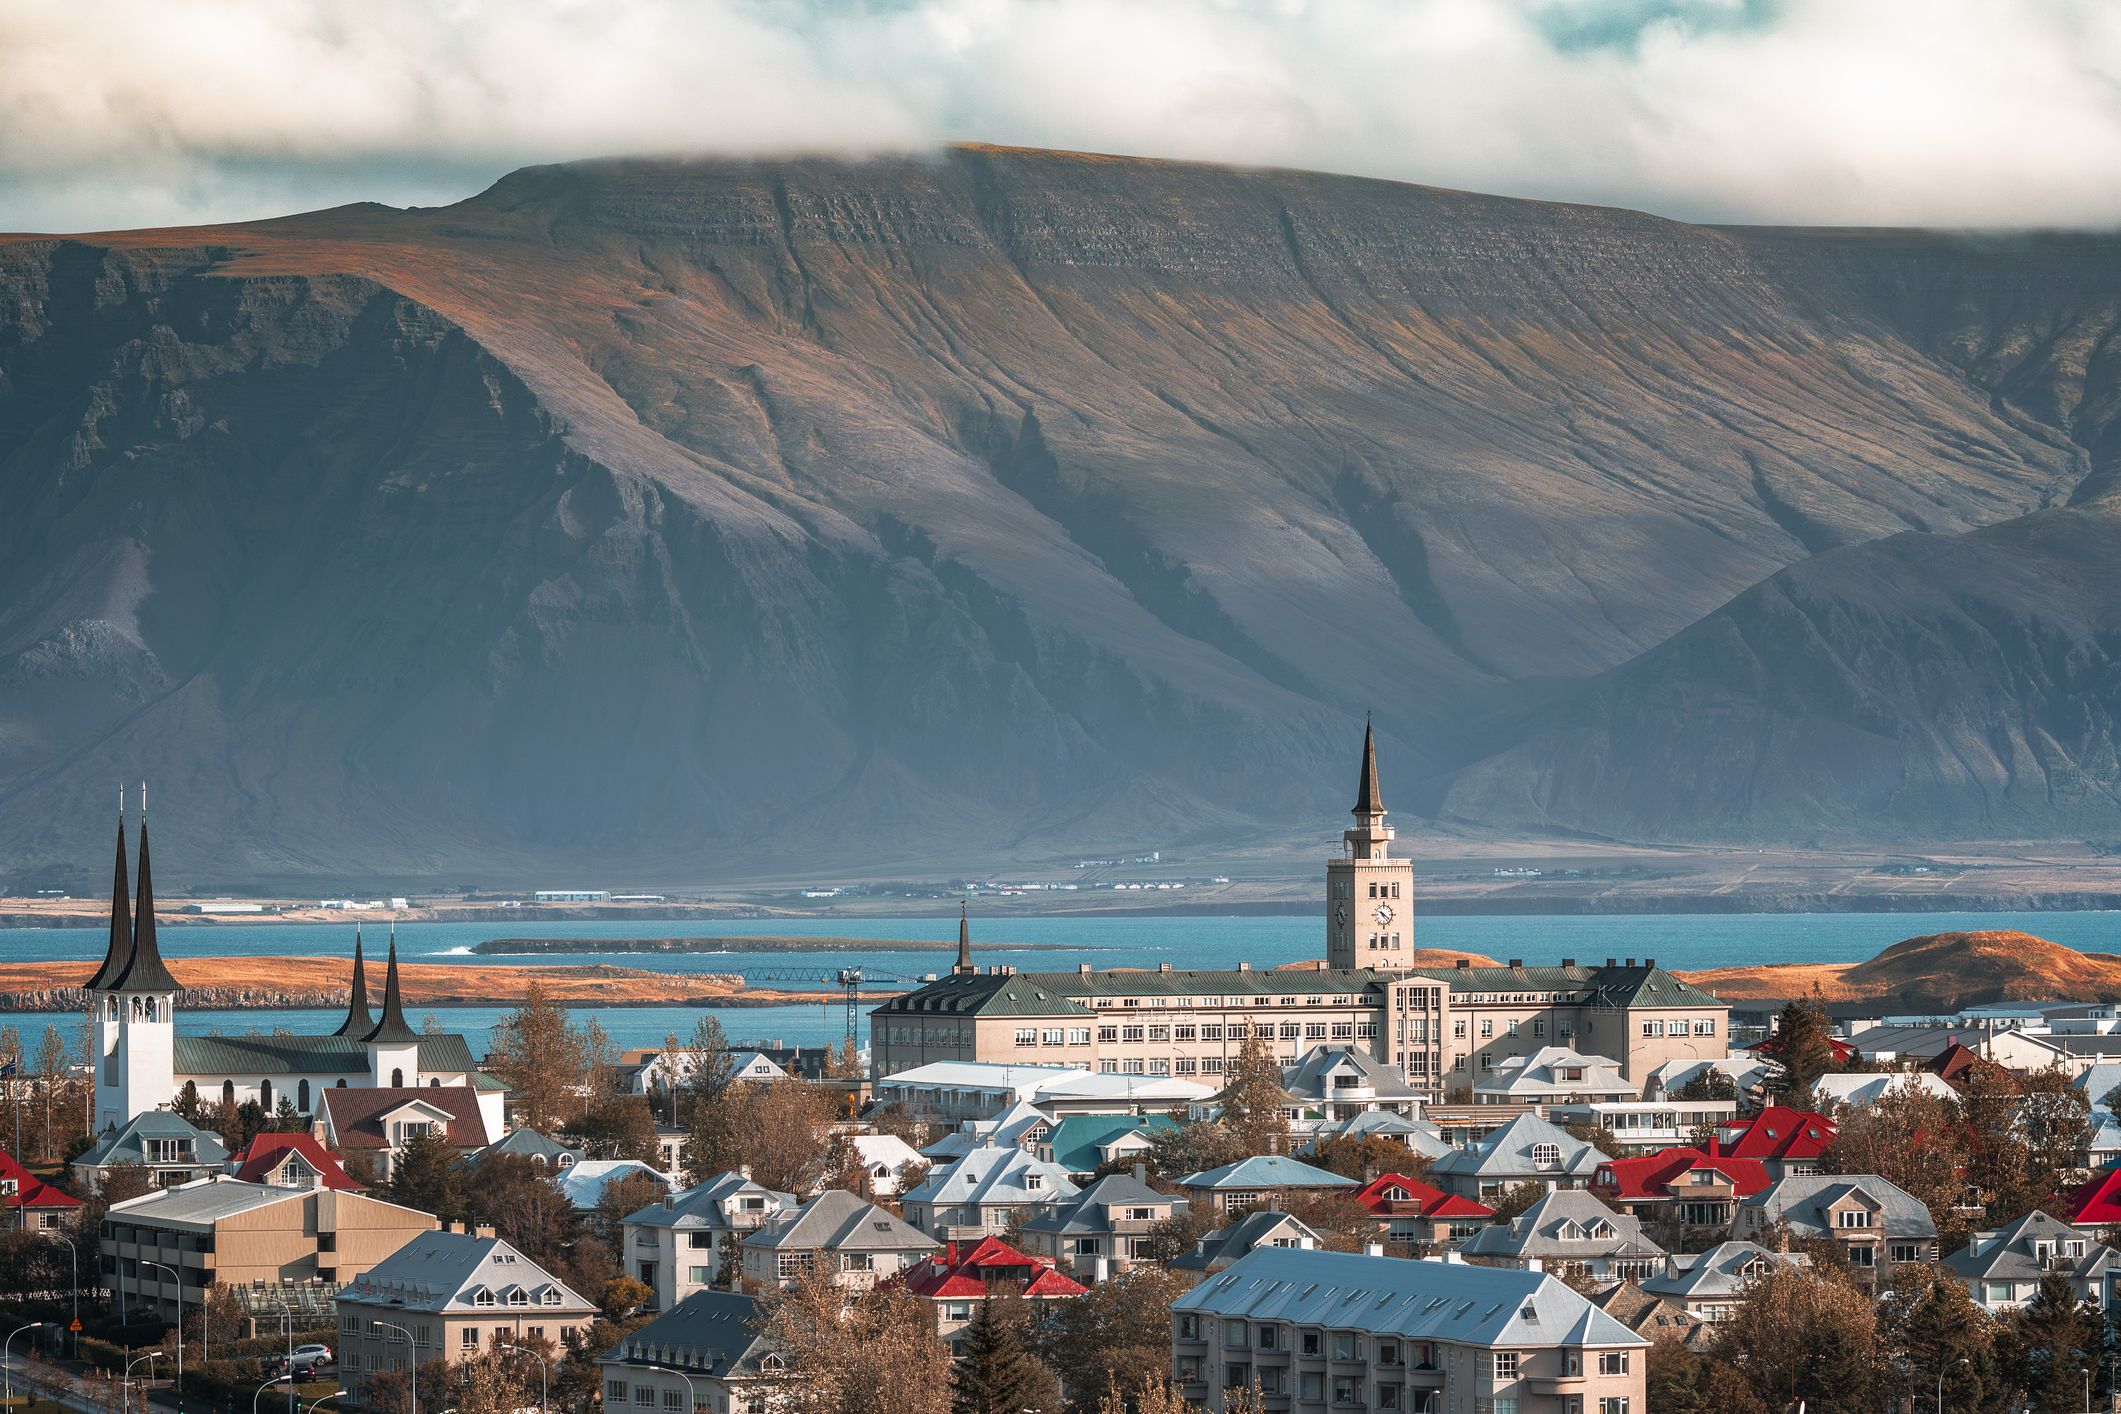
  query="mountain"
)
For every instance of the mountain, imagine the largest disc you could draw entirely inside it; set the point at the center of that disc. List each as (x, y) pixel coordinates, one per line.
(1939, 972)
(693, 519)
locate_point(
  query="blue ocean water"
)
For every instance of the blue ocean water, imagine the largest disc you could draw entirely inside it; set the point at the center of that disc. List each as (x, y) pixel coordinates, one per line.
(1675, 940)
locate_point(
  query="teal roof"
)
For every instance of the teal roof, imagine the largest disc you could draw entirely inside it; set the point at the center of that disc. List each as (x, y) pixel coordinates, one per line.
(303, 1055)
(1077, 1138)
(1266, 1171)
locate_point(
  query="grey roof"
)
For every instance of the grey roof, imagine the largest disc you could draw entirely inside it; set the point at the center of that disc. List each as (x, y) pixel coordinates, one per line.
(1414, 1300)
(444, 1272)
(1306, 1080)
(1089, 1210)
(1008, 1127)
(708, 1204)
(1508, 1153)
(2007, 1254)
(125, 1145)
(1226, 1245)
(1725, 1270)
(1266, 1171)
(991, 1178)
(531, 1145)
(1567, 1225)
(1916, 1040)
(2098, 1081)
(1802, 1201)
(1419, 1136)
(205, 1201)
(709, 1333)
(837, 1221)
(304, 1055)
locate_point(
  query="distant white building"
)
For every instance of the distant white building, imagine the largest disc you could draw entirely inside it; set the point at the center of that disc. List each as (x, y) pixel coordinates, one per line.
(572, 896)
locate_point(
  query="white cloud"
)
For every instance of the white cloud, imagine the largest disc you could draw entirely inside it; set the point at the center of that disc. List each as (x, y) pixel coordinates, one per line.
(1961, 112)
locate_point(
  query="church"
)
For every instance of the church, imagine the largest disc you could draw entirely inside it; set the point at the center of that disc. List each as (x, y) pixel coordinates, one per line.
(142, 1064)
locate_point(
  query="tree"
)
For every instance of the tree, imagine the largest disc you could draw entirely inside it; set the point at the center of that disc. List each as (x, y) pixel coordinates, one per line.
(1800, 1043)
(1154, 1395)
(1910, 1138)
(1342, 1224)
(998, 1373)
(1253, 1100)
(1365, 1158)
(1804, 1335)
(425, 1176)
(512, 1193)
(777, 1129)
(1117, 1337)
(621, 1198)
(1931, 1327)
(872, 1352)
(1709, 1084)
(2055, 1338)
(1516, 1198)
(51, 1074)
(620, 1127)
(488, 1386)
(1677, 1380)
(1604, 1140)
(542, 1060)
(1190, 1148)
(2054, 1124)
(1170, 1238)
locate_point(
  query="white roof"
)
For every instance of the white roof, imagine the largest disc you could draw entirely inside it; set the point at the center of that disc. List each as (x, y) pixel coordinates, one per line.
(1859, 1090)
(454, 1271)
(992, 1177)
(584, 1183)
(1021, 1080)
(1103, 1085)
(1541, 1073)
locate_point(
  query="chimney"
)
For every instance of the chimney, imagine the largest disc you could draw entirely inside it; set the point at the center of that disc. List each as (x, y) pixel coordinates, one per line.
(1534, 1265)
(1082, 969)
(1455, 1257)
(1163, 967)
(1649, 962)
(1516, 964)
(1612, 962)
(1305, 1243)
(1568, 962)
(1141, 1173)
(1465, 964)
(1244, 967)
(1631, 962)
(1373, 1248)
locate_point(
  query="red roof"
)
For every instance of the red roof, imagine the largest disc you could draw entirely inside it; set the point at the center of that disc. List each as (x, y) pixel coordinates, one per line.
(26, 1190)
(1396, 1195)
(2097, 1203)
(1777, 1132)
(262, 1159)
(1651, 1176)
(977, 1271)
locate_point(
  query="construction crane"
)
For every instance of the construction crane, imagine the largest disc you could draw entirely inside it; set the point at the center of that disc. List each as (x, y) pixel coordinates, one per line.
(848, 979)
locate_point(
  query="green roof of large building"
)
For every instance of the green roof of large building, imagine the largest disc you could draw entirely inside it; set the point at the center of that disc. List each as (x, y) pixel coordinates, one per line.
(303, 1055)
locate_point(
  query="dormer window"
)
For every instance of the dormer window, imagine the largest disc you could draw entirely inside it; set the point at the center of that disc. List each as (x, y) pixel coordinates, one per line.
(1546, 1155)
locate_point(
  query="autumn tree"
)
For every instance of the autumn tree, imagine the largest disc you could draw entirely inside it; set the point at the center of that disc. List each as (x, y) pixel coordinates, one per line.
(2054, 1339)
(1910, 1138)
(1677, 1380)
(50, 1076)
(1516, 1198)
(1192, 1148)
(778, 1129)
(488, 1385)
(1153, 1395)
(1171, 1238)
(998, 1373)
(620, 1127)
(622, 1197)
(1368, 1157)
(871, 1352)
(542, 1059)
(1708, 1084)
(1115, 1338)
(1253, 1100)
(1804, 1335)
(1342, 1224)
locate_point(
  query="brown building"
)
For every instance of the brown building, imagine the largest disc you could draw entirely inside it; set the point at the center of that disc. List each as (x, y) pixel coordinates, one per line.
(247, 1236)
(1444, 1028)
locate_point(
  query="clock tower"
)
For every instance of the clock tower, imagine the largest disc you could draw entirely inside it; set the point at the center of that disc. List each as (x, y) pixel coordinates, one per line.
(1369, 894)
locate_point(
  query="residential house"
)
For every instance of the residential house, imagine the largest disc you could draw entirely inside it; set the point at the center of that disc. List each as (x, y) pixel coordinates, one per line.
(1651, 1317)
(1681, 1193)
(1879, 1225)
(290, 1161)
(584, 1184)
(1553, 1075)
(1747, 1073)
(1222, 1248)
(541, 1149)
(688, 1241)
(1102, 1229)
(1710, 1285)
(1083, 1144)
(1348, 1331)
(1569, 1230)
(705, 1355)
(977, 1195)
(656, 1071)
(1860, 1091)
(373, 1124)
(30, 1202)
(959, 1278)
(450, 1296)
(1022, 1125)
(1645, 1126)
(1419, 1219)
(2002, 1268)
(860, 1243)
(1420, 1137)
(1264, 1178)
(1526, 1150)
(889, 1162)
(1330, 1084)
(221, 1231)
(1784, 1140)
(172, 1151)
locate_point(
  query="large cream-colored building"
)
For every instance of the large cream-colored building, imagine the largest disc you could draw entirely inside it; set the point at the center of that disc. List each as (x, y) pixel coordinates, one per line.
(1444, 1028)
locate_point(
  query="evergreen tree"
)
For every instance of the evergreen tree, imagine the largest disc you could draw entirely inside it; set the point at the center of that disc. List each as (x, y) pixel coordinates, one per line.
(998, 1374)
(1801, 1044)
(1933, 1328)
(2056, 1338)
(426, 1178)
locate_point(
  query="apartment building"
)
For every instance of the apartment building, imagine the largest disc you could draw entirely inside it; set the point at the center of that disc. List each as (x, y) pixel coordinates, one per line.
(1102, 1229)
(858, 1242)
(705, 1355)
(1315, 1329)
(225, 1232)
(688, 1241)
(1443, 1029)
(450, 1296)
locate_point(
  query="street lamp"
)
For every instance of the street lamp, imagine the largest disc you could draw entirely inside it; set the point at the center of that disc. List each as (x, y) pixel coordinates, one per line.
(544, 1382)
(178, 1278)
(1962, 1360)
(689, 1389)
(316, 1404)
(412, 1361)
(125, 1398)
(289, 1377)
(9, 1360)
(74, 1257)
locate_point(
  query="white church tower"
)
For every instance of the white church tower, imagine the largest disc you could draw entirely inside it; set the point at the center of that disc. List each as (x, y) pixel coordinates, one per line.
(1369, 894)
(135, 1000)
(393, 1046)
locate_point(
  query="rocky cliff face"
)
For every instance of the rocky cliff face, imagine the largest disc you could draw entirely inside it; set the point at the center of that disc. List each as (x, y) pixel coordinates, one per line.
(692, 519)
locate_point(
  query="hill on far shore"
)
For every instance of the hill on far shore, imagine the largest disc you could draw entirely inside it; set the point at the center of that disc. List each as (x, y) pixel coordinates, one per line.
(1937, 971)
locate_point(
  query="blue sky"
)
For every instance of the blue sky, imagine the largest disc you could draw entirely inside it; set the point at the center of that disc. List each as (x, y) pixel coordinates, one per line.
(1940, 112)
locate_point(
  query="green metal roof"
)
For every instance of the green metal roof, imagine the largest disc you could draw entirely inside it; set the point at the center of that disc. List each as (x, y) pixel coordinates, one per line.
(987, 993)
(303, 1055)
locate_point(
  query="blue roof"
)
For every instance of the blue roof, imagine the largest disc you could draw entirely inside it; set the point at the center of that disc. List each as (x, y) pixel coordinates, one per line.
(1075, 1141)
(1266, 1171)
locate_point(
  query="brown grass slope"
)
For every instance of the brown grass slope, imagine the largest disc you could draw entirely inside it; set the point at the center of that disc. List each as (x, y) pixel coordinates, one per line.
(1936, 970)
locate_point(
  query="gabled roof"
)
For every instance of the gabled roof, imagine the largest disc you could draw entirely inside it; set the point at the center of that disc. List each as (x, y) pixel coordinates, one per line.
(1265, 1171)
(1647, 1315)
(839, 1221)
(1011, 1126)
(1417, 1300)
(446, 1273)
(583, 1184)
(1078, 1141)
(1568, 1224)
(988, 1267)
(994, 1177)
(1510, 1151)
(1724, 1270)
(1861, 1090)
(2011, 1253)
(1090, 1210)
(267, 1155)
(305, 1055)
(1305, 1080)
(1653, 1176)
(1776, 1133)
(2098, 1202)
(1542, 1071)
(30, 1191)
(713, 1333)
(1803, 1200)
(710, 1204)
(1226, 1245)
(1388, 1190)
(530, 1144)
(127, 1144)
(355, 1118)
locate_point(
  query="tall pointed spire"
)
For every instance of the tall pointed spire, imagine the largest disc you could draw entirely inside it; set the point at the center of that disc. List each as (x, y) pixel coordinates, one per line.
(1369, 800)
(358, 1022)
(120, 953)
(964, 940)
(390, 1027)
(146, 971)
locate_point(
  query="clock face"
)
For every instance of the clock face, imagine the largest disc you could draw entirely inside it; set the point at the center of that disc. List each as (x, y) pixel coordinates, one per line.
(1383, 914)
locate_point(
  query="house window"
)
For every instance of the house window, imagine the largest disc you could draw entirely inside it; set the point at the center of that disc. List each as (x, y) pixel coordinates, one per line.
(1909, 1252)
(1705, 1027)
(1311, 1386)
(1612, 1362)
(644, 1396)
(1613, 1404)
(1852, 1217)
(1653, 1028)
(614, 1391)
(1269, 1337)
(1189, 1327)
(673, 1399)
(1233, 1335)
(1078, 1035)
(1346, 1346)
(470, 1338)
(1027, 1036)
(1108, 1033)
(1487, 1027)
(1458, 1029)
(1310, 1339)
(1347, 1391)
(1539, 1026)
(1505, 1365)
